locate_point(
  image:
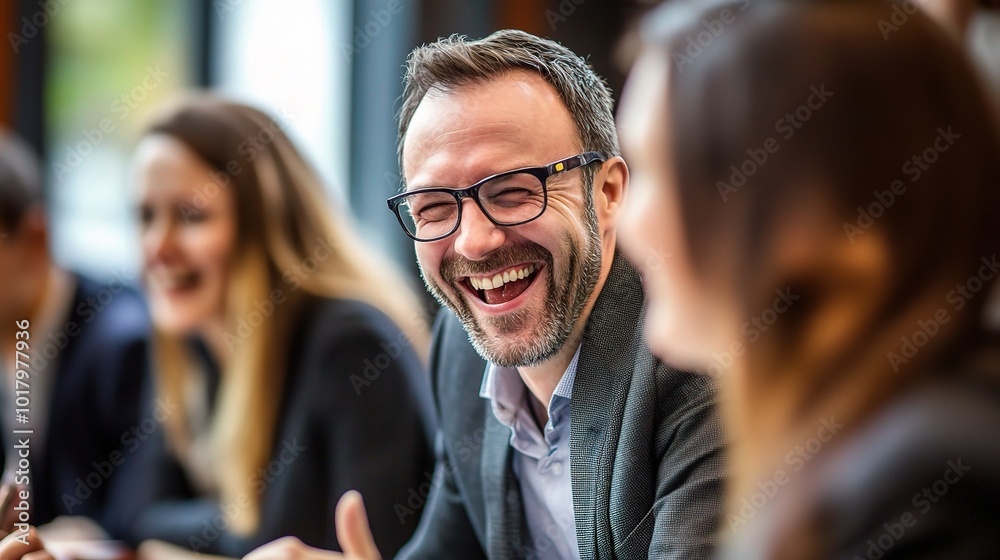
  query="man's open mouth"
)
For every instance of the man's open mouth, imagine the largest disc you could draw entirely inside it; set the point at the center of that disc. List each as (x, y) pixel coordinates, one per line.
(503, 286)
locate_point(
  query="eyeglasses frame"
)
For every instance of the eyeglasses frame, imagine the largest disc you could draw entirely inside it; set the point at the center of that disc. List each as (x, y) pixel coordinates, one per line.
(542, 173)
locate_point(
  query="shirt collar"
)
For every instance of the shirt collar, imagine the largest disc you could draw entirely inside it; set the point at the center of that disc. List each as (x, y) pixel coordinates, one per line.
(505, 388)
(565, 387)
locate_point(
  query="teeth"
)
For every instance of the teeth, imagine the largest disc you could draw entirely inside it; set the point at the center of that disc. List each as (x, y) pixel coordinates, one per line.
(174, 281)
(499, 280)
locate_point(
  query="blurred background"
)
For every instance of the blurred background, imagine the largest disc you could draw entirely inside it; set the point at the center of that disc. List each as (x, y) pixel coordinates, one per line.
(82, 77)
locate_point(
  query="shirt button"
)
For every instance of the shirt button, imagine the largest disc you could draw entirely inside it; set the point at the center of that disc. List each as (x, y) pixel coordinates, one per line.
(557, 468)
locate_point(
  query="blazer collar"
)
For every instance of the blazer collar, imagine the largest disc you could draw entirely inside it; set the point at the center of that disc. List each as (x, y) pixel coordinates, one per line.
(604, 373)
(505, 529)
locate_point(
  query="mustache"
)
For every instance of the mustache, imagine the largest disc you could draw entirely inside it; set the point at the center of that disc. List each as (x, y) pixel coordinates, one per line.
(455, 266)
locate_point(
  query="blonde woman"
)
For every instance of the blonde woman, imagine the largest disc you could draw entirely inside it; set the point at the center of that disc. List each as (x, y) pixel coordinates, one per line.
(287, 357)
(828, 198)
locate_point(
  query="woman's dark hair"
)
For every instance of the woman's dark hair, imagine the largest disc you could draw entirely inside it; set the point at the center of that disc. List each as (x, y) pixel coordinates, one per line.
(797, 102)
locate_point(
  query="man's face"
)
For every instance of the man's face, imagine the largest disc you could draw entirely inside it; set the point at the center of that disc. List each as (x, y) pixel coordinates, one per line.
(459, 137)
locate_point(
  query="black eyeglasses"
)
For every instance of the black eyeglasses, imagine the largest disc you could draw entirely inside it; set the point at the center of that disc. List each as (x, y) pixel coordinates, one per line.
(510, 198)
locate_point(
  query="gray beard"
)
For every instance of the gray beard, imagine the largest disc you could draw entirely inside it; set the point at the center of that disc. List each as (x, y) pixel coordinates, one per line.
(564, 303)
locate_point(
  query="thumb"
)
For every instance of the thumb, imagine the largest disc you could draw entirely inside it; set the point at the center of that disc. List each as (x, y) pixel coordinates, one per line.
(353, 532)
(20, 543)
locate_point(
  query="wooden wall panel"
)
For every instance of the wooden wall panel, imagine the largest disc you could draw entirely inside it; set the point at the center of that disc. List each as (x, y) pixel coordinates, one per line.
(8, 78)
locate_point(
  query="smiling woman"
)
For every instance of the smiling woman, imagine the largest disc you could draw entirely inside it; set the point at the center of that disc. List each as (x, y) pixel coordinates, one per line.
(267, 311)
(187, 253)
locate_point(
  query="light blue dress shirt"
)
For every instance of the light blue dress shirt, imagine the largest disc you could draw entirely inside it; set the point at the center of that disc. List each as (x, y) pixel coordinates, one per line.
(541, 460)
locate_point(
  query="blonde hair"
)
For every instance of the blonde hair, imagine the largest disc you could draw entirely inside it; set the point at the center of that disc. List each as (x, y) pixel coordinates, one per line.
(284, 224)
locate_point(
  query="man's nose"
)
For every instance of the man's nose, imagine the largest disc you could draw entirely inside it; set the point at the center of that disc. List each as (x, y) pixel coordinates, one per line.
(477, 236)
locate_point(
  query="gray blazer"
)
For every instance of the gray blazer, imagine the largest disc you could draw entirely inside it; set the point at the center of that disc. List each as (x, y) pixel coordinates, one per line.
(646, 448)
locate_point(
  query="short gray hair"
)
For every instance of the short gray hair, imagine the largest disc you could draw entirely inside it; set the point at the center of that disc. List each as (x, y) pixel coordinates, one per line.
(456, 61)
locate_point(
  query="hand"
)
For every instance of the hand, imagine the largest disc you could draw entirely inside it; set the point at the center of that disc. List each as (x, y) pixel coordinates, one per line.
(16, 544)
(353, 533)
(7, 514)
(153, 549)
(23, 546)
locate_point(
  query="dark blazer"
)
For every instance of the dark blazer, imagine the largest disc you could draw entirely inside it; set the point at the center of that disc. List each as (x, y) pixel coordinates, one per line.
(97, 382)
(646, 448)
(334, 434)
(920, 480)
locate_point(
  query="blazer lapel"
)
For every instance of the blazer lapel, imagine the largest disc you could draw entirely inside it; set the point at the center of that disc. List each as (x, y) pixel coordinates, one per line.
(604, 373)
(502, 495)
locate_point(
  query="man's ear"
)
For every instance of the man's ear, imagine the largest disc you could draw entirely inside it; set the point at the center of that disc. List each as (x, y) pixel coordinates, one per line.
(610, 188)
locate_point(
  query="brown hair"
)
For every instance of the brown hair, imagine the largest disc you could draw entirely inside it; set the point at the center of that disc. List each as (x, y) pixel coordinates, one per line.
(455, 61)
(876, 104)
(283, 219)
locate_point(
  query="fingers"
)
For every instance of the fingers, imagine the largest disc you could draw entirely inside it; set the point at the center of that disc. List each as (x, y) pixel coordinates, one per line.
(291, 548)
(38, 555)
(7, 514)
(19, 544)
(153, 549)
(353, 532)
